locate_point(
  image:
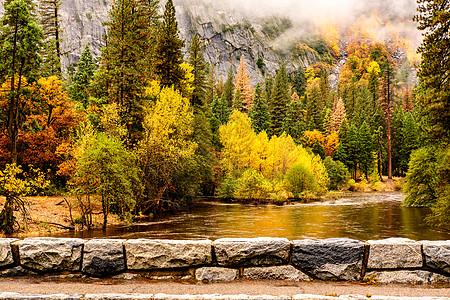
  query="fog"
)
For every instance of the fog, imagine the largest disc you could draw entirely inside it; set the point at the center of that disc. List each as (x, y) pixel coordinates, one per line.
(339, 11)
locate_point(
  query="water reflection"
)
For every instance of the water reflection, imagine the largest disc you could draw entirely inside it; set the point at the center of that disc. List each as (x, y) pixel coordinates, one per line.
(360, 216)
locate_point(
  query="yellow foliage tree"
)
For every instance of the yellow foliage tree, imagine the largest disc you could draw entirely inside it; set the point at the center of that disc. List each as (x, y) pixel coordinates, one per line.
(53, 100)
(13, 185)
(331, 143)
(257, 167)
(166, 145)
(238, 138)
(258, 155)
(282, 153)
(311, 137)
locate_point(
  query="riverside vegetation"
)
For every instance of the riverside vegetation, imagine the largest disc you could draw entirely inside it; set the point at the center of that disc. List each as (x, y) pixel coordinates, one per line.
(147, 130)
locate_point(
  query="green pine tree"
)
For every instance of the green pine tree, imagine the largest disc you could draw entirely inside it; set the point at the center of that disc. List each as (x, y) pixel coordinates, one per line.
(237, 102)
(228, 91)
(366, 158)
(128, 57)
(279, 101)
(220, 110)
(196, 60)
(168, 50)
(294, 123)
(50, 21)
(259, 112)
(434, 90)
(84, 74)
(299, 81)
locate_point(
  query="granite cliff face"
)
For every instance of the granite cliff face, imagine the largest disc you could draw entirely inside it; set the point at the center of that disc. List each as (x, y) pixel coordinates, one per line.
(227, 34)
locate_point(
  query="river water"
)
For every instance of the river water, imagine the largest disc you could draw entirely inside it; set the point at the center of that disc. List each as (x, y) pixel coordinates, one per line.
(361, 216)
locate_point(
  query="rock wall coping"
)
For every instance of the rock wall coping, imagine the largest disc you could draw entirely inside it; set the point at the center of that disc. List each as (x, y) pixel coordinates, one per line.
(161, 296)
(388, 260)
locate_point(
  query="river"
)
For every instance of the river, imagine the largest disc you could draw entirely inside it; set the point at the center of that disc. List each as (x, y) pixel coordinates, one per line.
(361, 216)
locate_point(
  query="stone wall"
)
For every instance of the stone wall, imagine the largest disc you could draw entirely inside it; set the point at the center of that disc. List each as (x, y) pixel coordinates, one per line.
(387, 261)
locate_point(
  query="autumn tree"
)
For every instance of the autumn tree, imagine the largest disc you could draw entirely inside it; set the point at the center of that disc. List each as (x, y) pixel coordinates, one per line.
(337, 116)
(108, 170)
(168, 50)
(20, 42)
(14, 184)
(166, 147)
(242, 83)
(237, 138)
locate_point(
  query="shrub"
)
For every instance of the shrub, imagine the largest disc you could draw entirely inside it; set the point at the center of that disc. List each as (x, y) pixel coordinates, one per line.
(252, 185)
(352, 185)
(227, 188)
(337, 172)
(301, 179)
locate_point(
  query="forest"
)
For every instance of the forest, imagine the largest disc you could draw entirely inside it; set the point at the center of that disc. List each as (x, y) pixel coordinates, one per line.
(144, 129)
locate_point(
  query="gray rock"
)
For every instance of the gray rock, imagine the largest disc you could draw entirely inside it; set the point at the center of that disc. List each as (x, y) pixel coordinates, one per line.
(394, 253)
(406, 276)
(219, 297)
(330, 259)
(214, 274)
(437, 255)
(47, 254)
(102, 257)
(112, 296)
(16, 271)
(17, 296)
(128, 276)
(375, 297)
(275, 273)
(252, 252)
(311, 297)
(144, 254)
(6, 255)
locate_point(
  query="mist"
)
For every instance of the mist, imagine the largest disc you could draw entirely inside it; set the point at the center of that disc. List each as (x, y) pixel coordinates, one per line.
(338, 11)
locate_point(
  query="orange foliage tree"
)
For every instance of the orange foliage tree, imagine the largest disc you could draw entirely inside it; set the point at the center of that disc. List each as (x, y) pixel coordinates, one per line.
(51, 121)
(242, 83)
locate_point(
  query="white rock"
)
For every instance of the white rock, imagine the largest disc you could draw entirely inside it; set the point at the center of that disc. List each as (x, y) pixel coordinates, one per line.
(6, 256)
(275, 273)
(394, 253)
(46, 254)
(144, 254)
(213, 274)
(252, 252)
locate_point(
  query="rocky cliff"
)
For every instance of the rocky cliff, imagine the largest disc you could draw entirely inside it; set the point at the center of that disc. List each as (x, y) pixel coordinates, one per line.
(227, 35)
